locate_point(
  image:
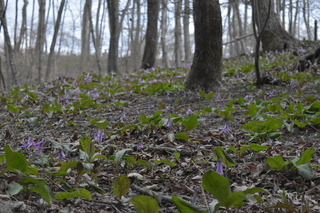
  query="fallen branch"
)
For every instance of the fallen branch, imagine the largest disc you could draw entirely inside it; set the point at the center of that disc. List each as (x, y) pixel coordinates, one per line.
(308, 60)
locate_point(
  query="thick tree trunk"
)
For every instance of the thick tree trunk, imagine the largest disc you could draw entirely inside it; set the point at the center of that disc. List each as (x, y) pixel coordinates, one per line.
(205, 73)
(150, 49)
(274, 36)
(113, 9)
(41, 33)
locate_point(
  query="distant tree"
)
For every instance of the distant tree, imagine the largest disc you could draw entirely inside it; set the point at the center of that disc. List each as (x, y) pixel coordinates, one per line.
(54, 40)
(9, 50)
(115, 28)
(41, 38)
(177, 33)
(164, 29)
(186, 32)
(205, 73)
(150, 49)
(274, 36)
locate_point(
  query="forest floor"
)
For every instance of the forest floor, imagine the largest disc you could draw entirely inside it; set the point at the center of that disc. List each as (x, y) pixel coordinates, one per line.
(150, 127)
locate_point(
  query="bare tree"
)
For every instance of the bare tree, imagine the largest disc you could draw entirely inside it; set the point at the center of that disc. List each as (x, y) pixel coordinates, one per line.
(163, 26)
(186, 32)
(205, 73)
(23, 27)
(177, 33)
(274, 36)
(150, 49)
(53, 42)
(85, 33)
(9, 51)
(115, 28)
(41, 32)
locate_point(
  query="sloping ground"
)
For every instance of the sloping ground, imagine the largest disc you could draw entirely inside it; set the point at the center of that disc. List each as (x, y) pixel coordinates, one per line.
(147, 119)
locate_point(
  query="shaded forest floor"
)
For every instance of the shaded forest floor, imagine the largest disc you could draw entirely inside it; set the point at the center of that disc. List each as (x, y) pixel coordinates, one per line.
(146, 135)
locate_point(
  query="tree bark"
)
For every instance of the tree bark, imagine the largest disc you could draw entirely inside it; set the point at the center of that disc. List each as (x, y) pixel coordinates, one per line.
(40, 37)
(150, 49)
(85, 34)
(23, 27)
(177, 32)
(8, 45)
(115, 28)
(274, 36)
(186, 32)
(164, 10)
(205, 73)
(54, 40)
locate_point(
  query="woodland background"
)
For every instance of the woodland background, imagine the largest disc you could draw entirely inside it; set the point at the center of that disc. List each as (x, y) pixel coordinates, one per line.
(66, 37)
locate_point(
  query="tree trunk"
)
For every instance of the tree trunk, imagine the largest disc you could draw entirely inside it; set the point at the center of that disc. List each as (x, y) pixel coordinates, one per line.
(150, 49)
(164, 10)
(177, 32)
(54, 39)
(115, 29)
(40, 37)
(23, 27)
(186, 32)
(274, 36)
(85, 34)
(9, 51)
(205, 73)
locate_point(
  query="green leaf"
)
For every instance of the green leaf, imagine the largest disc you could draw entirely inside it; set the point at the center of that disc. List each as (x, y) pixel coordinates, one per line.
(253, 146)
(13, 108)
(182, 136)
(305, 170)
(15, 161)
(67, 165)
(166, 161)
(93, 186)
(42, 189)
(306, 156)
(235, 199)
(119, 155)
(224, 157)
(284, 206)
(14, 188)
(170, 136)
(187, 207)
(190, 122)
(120, 185)
(81, 192)
(145, 204)
(254, 190)
(217, 185)
(276, 163)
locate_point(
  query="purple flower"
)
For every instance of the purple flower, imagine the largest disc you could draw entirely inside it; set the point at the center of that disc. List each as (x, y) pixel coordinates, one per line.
(123, 115)
(248, 99)
(270, 94)
(140, 146)
(26, 97)
(33, 144)
(292, 83)
(61, 155)
(225, 128)
(219, 167)
(218, 95)
(99, 136)
(168, 123)
(189, 111)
